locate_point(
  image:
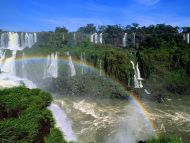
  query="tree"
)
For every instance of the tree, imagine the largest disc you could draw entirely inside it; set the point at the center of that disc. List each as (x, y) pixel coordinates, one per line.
(61, 30)
(88, 29)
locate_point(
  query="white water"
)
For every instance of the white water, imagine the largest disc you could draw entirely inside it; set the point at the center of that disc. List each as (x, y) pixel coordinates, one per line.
(96, 38)
(17, 41)
(137, 76)
(100, 38)
(63, 122)
(125, 40)
(187, 38)
(92, 38)
(2, 57)
(8, 76)
(8, 66)
(72, 67)
(147, 92)
(51, 69)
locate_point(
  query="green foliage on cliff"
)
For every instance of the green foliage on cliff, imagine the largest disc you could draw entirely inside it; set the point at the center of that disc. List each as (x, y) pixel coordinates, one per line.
(24, 116)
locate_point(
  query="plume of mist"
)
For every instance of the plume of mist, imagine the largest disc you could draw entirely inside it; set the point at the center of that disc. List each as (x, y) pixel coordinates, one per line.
(132, 127)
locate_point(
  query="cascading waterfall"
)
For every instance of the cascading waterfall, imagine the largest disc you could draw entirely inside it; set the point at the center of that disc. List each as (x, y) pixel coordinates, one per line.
(125, 40)
(2, 57)
(137, 76)
(17, 40)
(100, 38)
(8, 66)
(51, 69)
(92, 38)
(187, 38)
(13, 43)
(96, 38)
(72, 67)
(8, 76)
(63, 122)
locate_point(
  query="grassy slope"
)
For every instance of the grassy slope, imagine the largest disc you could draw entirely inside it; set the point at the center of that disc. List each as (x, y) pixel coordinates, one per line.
(25, 118)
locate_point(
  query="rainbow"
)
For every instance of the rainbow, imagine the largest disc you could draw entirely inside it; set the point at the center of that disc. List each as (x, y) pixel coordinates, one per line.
(133, 97)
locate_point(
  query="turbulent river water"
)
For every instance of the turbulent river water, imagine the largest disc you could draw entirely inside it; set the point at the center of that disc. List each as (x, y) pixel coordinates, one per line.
(95, 120)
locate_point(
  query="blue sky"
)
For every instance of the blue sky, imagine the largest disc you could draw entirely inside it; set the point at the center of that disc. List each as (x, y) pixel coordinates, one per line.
(38, 15)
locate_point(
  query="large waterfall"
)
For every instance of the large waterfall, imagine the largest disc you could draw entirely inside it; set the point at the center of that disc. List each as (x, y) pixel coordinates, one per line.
(51, 69)
(17, 40)
(96, 38)
(2, 57)
(137, 76)
(8, 76)
(8, 66)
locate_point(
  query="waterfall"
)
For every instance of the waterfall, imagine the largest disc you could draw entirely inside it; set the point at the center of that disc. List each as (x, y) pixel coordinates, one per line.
(100, 38)
(125, 40)
(63, 122)
(137, 76)
(95, 38)
(13, 43)
(187, 38)
(92, 38)
(51, 69)
(72, 67)
(17, 41)
(8, 66)
(2, 57)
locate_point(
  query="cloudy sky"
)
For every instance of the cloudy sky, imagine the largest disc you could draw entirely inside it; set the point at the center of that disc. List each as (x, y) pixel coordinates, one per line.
(38, 15)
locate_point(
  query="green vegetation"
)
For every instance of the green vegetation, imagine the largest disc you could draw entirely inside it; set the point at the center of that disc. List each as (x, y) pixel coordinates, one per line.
(162, 54)
(165, 139)
(24, 117)
(87, 85)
